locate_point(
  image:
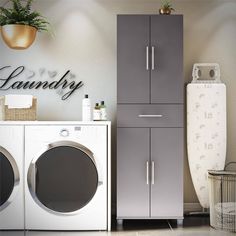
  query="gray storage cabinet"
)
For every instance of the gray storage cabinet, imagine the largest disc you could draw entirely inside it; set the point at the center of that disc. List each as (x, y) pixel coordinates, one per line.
(150, 109)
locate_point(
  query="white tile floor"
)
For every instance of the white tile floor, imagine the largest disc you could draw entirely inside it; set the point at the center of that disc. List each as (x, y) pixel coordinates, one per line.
(193, 226)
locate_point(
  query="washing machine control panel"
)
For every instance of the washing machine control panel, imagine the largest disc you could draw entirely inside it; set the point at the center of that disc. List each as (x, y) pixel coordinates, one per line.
(77, 128)
(64, 133)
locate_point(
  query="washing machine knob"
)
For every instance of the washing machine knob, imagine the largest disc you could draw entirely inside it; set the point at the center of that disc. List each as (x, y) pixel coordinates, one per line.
(64, 133)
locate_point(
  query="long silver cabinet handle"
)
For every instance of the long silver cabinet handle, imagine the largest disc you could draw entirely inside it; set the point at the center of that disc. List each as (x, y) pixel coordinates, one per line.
(147, 58)
(153, 172)
(153, 58)
(150, 116)
(147, 172)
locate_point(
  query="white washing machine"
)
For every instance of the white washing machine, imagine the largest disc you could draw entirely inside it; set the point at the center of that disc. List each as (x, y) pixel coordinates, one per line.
(67, 177)
(11, 178)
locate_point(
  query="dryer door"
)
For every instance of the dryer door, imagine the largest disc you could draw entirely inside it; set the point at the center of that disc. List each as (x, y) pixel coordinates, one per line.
(64, 178)
(9, 178)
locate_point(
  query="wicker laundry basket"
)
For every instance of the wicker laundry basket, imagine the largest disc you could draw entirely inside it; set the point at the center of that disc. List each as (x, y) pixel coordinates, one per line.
(18, 114)
(222, 187)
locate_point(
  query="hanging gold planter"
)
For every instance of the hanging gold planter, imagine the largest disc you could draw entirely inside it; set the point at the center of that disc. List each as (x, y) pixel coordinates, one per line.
(18, 36)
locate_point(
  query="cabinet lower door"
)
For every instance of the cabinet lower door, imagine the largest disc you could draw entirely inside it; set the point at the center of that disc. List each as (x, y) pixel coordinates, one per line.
(132, 172)
(167, 172)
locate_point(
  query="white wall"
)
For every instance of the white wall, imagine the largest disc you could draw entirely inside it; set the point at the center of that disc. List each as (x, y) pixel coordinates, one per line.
(85, 42)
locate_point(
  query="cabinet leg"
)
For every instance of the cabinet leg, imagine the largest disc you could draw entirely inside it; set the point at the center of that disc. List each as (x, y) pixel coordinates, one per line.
(180, 222)
(120, 222)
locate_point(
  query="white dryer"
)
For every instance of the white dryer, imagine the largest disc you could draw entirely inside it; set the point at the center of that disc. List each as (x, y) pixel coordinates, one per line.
(66, 177)
(11, 177)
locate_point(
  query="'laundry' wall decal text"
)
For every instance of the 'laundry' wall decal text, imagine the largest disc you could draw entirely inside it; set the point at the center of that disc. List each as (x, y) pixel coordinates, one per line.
(64, 83)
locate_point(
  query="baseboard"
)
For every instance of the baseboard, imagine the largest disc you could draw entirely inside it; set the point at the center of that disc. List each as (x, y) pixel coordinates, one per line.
(192, 207)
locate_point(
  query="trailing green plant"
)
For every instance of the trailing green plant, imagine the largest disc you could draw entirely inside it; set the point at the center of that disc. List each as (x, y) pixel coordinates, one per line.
(22, 14)
(167, 5)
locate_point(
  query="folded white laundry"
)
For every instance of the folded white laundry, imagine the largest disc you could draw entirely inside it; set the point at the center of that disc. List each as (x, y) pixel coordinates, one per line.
(18, 101)
(226, 208)
(225, 215)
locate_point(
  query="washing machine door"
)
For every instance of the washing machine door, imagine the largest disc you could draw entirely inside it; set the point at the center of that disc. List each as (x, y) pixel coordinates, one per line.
(9, 178)
(64, 178)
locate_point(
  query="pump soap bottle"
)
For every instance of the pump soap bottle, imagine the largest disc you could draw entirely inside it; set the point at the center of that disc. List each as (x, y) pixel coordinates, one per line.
(103, 111)
(86, 108)
(96, 112)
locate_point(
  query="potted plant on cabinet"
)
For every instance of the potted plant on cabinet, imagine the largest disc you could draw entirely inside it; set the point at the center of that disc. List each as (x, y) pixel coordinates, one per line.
(166, 8)
(19, 24)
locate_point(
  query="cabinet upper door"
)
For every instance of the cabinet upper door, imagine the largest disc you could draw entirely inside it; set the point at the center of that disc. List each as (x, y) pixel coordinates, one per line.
(133, 83)
(167, 59)
(167, 172)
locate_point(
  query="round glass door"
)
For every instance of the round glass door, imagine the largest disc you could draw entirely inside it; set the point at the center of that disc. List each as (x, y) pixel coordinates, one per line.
(9, 177)
(64, 178)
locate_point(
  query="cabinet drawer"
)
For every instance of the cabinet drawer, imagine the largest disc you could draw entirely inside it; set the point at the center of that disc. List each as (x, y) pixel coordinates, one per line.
(150, 115)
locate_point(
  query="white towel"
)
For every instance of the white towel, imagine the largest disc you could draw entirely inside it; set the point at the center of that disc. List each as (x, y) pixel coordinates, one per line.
(226, 208)
(18, 101)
